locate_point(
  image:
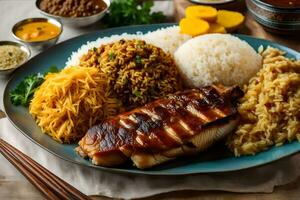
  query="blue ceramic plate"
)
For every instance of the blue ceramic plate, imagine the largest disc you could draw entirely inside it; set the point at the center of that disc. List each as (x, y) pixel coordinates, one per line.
(213, 160)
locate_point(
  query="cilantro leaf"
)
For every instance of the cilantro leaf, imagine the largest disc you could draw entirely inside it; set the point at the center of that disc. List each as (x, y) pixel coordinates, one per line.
(24, 91)
(131, 12)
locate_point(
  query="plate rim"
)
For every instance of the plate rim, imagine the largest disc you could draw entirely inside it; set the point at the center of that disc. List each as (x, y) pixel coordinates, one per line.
(130, 171)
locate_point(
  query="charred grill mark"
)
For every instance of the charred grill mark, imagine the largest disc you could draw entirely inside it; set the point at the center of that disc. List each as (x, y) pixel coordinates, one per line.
(234, 95)
(108, 141)
(110, 136)
(124, 135)
(160, 111)
(201, 103)
(173, 131)
(171, 114)
(145, 123)
(91, 137)
(211, 96)
(140, 117)
(149, 125)
(146, 127)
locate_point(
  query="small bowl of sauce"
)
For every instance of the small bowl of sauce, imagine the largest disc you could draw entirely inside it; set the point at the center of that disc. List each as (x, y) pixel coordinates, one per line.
(38, 33)
(12, 56)
(280, 16)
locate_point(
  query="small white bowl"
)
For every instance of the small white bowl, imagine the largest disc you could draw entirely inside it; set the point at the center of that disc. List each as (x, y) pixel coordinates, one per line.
(76, 21)
(5, 72)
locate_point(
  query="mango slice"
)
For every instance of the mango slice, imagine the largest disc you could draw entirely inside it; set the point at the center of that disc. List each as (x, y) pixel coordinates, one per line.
(229, 19)
(207, 13)
(193, 26)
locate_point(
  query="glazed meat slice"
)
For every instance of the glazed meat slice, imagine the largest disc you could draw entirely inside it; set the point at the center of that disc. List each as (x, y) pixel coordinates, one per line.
(184, 123)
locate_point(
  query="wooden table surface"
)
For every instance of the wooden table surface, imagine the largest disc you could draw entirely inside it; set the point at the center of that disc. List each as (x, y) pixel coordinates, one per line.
(22, 189)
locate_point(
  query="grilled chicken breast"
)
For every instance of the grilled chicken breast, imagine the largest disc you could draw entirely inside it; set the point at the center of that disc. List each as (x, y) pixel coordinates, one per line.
(184, 123)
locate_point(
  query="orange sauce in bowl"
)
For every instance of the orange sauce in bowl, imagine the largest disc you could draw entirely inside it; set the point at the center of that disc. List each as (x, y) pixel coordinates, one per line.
(37, 31)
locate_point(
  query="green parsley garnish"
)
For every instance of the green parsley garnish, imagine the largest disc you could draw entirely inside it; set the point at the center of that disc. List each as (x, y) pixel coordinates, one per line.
(24, 91)
(131, 12)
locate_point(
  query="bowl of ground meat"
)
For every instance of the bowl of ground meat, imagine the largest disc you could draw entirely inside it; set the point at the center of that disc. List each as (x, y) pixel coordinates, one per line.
(76, 13)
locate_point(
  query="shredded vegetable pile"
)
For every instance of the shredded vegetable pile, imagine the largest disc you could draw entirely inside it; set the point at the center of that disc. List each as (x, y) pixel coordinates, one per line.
(70, 102)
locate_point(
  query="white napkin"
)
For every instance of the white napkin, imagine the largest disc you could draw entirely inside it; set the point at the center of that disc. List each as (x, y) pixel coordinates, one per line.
(96, 182)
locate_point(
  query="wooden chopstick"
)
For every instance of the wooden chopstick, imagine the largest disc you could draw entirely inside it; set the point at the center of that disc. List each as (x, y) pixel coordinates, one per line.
(50, 185)
(54, 181)
(2, 114)
(34, 180)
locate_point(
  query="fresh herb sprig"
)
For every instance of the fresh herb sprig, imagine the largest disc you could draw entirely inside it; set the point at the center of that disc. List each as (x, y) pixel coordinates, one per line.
(24, 91)
(131, 12)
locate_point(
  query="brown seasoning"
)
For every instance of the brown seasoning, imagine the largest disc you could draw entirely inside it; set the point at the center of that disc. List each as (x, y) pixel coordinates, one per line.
(73, 8)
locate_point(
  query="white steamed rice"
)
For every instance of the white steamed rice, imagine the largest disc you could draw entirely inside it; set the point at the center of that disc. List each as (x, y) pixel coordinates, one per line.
(169, 39)
(217, 58)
